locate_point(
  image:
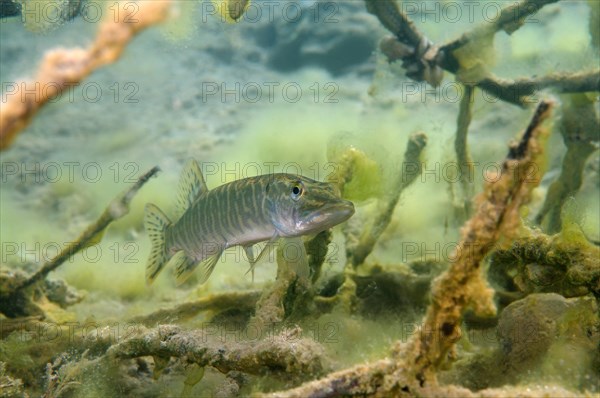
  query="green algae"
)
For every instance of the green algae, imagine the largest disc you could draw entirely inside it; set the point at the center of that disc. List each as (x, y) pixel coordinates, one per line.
(386, 295)
(566, 264)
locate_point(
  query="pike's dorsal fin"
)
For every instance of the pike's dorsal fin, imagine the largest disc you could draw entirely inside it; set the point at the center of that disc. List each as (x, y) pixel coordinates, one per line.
(191, 186)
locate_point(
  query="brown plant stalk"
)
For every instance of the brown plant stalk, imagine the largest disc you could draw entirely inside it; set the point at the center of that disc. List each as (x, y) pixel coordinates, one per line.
(62, 68)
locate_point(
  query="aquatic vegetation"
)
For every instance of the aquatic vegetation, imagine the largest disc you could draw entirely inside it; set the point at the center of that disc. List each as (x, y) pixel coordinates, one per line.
(566, 264)
(511, 310)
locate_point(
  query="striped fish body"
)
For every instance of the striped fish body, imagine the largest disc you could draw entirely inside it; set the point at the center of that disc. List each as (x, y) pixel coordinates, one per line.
(229, 215)
(242, 212)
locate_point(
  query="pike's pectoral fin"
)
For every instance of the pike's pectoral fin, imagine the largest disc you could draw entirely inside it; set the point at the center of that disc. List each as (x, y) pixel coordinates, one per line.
(265, 252)
(249, 250)
(191, 186)
(185, 266)
(295, 256)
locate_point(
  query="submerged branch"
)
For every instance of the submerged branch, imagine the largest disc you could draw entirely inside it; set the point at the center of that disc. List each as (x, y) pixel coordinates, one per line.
(424, 61)
(215, 302)
(62, 69)
(418, 53)
(271, 355)
(462, 285)
(519, 91)
(564, 263)
(116, 209)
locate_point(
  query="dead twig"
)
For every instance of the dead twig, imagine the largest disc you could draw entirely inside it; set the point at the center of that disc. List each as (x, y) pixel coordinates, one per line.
(286, 353)
(215, 302)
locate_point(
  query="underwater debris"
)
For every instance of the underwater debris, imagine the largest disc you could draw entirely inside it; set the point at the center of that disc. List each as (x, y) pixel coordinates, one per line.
(580, 129)
(464, 57)
(316, 249)
(386, 290)
(284, 354)
(16, 301)
(275, 355)
(63, 375)
(57, 291)
(391, 290)
(28, 349)
(542, 338)
(412, 370)
(518, 91)
(62, 69)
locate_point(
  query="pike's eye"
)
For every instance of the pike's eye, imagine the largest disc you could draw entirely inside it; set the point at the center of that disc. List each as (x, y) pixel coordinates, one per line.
(296, 192)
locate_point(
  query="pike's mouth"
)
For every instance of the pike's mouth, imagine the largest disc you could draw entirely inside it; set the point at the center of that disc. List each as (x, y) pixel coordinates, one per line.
(331, 214)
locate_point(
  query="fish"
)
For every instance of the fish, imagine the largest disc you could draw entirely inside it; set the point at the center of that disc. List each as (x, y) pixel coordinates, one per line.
(243, 213)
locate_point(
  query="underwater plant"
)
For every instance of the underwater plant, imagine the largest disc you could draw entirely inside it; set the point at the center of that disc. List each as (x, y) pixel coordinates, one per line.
(506, 273)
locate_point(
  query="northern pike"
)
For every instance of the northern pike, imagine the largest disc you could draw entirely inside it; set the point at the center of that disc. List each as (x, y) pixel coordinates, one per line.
(242, 212)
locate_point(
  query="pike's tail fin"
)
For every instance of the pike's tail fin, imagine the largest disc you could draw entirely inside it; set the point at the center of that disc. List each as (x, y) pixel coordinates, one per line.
(156, 223)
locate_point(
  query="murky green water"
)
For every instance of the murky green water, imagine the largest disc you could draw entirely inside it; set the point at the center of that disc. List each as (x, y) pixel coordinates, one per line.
(298, 87)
